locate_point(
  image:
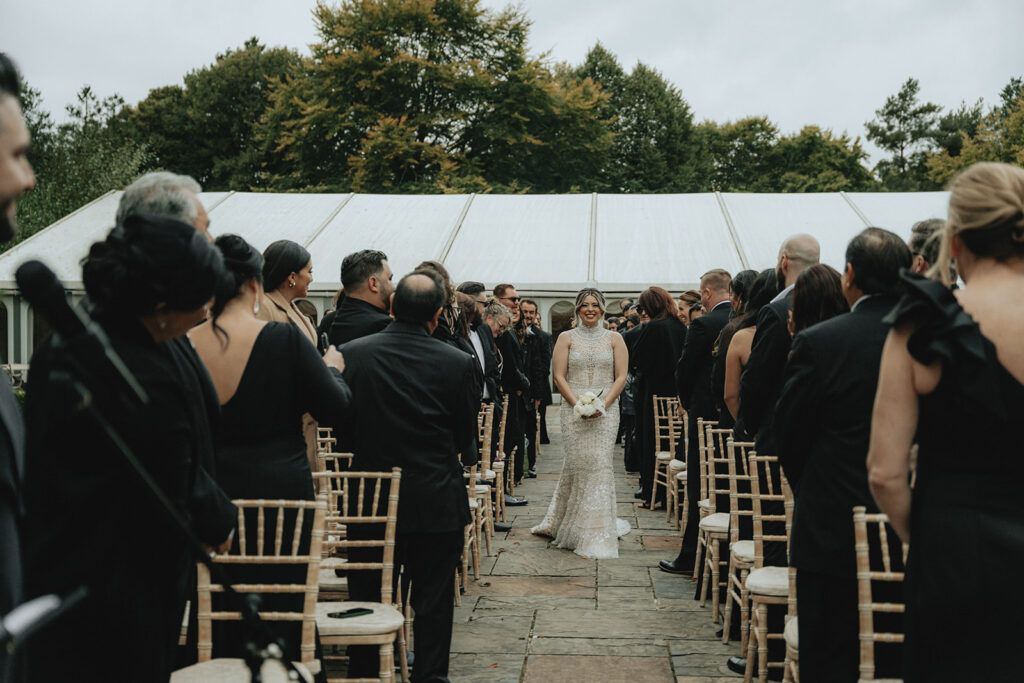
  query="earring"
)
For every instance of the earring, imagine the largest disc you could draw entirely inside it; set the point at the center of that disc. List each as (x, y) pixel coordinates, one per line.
(292, 283)
(163, 324)
(256, 308)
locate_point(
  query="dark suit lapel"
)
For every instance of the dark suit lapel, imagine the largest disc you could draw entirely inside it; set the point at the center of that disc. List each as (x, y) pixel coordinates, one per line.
(10, 414)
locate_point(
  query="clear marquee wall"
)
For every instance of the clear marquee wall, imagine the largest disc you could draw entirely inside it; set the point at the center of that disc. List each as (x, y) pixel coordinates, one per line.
(549, 246)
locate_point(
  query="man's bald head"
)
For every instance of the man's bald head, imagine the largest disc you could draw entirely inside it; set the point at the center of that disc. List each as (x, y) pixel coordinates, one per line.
(418, 298)
(797, 254)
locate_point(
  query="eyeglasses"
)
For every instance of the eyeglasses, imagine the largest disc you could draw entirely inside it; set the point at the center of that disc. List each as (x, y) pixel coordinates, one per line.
(513, 299)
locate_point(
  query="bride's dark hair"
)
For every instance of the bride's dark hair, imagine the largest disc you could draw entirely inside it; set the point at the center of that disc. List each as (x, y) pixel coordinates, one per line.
(584, 293)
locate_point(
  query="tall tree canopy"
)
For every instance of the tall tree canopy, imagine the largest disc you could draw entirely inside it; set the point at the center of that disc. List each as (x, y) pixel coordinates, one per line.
(903, 127)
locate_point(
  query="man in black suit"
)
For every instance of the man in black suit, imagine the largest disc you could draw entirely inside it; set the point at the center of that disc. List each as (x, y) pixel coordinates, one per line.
(693, 384)
(514, 382)
(761, 380)
(366, 279)
(411, 410)
(822, 427)
(16, 178)
(538, 364)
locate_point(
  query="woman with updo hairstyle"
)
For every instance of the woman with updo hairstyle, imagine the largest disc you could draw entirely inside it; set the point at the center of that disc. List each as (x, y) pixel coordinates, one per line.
(737, 351)
(89, 520)
(267, 377)
(952, 379)
(739, 292)
(653, 359)
(817, 296)
(287, 272)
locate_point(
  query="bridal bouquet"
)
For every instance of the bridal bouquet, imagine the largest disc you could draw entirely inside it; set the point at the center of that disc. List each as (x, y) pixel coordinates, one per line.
(589, 404)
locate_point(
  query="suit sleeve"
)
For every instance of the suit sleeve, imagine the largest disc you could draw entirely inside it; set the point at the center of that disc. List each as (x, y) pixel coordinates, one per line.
(797, 411)
(213, 513)
(763, 372)
(326, 393)
(540, 365)
(697, 347)
(512, 377)
(467, 405)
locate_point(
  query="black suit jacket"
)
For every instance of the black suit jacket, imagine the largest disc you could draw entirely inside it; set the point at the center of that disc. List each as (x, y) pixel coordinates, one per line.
(411, 410)
(513, 371)
(355, 319)
(693, 372)
(12, 469)
(822, 428)
(761, 380)
(538, 354)
(492, 366)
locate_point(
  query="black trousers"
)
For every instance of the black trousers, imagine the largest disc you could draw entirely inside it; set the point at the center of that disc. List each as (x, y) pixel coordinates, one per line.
(626, 423)
(544, 423)
(530, 428)
(428, 561)
(688, 548)
(514, 434)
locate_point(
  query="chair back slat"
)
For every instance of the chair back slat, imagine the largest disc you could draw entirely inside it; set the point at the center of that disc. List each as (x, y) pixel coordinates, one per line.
(260, 527)
(502, 427)
(771, 500)
(718, 467)
(866, 528)
(702, 454)
(739, 486)
(300, 517)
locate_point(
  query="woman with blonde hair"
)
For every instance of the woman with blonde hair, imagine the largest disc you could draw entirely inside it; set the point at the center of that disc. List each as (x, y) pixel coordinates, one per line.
(589, 366)
(952, 379)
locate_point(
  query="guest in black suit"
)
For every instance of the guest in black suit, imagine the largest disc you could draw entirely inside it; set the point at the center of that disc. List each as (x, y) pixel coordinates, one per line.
(324, 328)
(538, 363)
(514, 382)
(149, 282)
(495, 320)
(627, 404)
(412, 411)
(366, 279)
(823, 424)
(16, 177)
(653, 356)
(761, 380)
(693, 385)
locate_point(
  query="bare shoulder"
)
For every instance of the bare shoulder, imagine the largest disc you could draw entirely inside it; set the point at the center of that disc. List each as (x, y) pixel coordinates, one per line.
(564, 337)
(617, 339)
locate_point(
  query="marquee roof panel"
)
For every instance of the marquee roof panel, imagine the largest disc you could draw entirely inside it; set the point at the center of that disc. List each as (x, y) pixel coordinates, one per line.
(898, 211)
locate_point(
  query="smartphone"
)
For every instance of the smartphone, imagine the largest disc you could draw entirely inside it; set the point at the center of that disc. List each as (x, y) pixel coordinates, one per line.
(354, 612)
(324, 342)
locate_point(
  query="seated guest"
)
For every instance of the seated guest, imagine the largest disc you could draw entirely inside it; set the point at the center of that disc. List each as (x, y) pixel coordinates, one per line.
(952, 377)
(822, 426)
(818, 295)
(267, 376)
(366, 281)
(90, 521)
(413, 412)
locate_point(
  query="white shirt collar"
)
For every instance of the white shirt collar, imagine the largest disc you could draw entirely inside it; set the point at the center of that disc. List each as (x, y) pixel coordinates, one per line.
(723, 301)
(858, 301)
(782, 295)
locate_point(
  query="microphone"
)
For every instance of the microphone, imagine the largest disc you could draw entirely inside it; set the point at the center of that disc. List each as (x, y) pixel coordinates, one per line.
(22, 622)
(45, 293)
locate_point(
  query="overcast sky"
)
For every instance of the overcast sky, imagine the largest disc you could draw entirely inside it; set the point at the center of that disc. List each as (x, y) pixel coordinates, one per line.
(798, 62)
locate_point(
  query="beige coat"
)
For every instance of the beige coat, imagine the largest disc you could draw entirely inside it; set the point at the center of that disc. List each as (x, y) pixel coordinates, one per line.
(275, 308)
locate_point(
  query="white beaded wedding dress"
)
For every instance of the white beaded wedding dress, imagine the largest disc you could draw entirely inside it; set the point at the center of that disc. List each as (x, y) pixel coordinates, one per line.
(581, 516)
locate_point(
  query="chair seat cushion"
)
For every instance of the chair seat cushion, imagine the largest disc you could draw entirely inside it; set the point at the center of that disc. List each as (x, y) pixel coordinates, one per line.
(329, 581)
(482, 490)
(676, 465)
(681, 476)
(772, 581)
(232, 670)
(384, 619)
(704, 504)
(792, 634)
(473, 504)
(663, 456)
(743, 551)
(717, 522)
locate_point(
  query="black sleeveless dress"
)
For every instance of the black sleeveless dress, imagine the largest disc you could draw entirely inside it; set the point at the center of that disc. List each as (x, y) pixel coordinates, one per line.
(967, 514)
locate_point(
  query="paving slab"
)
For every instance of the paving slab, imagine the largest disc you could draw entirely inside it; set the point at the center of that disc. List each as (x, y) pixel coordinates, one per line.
(608, 669)
(543, 562)
(621, 647)
(658, 543)
(502, 635)
(485, 668)
(559, 586)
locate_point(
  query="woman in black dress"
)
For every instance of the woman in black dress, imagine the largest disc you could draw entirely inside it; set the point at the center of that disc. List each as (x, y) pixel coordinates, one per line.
(267, 376)
(952, 377)
(739, 288)
(654, 357)
(90, 521)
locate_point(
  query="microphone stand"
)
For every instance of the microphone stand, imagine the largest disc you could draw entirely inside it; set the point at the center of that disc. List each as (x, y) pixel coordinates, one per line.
(248, 604)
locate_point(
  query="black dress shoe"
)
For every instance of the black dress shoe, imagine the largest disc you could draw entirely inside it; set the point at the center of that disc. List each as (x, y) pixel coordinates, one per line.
(545, 442)
(531, 473)
(671, 567)
(739, 665)
(640, 495)
(511, 501)
(498, 526)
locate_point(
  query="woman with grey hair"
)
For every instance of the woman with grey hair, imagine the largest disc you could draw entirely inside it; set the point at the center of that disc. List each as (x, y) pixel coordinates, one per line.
(589, 366)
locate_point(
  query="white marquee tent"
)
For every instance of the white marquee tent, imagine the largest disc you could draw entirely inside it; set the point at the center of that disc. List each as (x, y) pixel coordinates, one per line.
(549, 246)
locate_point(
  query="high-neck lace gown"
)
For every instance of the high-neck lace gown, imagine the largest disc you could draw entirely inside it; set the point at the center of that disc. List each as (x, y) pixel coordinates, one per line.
(581, 516)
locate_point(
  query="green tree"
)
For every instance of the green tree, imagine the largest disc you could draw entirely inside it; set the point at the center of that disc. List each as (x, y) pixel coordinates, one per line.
(966, 119)
(999, 137)
(903, 127)
(814, 160)
(738, 155)
(205, 129)
(77, 161)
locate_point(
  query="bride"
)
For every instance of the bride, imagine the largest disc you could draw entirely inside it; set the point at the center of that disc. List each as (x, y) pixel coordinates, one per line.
(589, 360)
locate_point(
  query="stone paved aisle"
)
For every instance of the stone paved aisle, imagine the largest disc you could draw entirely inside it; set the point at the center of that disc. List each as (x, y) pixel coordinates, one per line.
(541, 614)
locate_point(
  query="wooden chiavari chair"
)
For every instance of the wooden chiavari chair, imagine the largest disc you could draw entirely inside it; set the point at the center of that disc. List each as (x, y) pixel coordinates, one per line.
(499, 463)
(741, 551)
(791, 634)
(258, 552)
(662, 441)
(703, 503)
(368, 498)
(714, 527)
(766, 585)
(887, 550)
(676, 467)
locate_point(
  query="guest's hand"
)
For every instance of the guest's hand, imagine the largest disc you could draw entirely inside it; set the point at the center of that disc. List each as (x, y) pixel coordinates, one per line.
(334, 359)
(536, 403)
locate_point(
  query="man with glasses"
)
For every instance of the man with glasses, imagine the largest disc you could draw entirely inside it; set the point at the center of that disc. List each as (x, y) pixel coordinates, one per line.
(514, 381)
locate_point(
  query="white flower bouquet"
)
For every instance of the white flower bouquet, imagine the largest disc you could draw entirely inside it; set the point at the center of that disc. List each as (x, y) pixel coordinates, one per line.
(589, 404)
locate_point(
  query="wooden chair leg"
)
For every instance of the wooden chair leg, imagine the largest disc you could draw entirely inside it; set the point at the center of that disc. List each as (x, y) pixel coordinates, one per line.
(701, 543)
(727, 615)
(748, 674)
(744, 610)
(715, 550)
(671, 491)
(458, 589)
(762, 642)
(387, 662)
